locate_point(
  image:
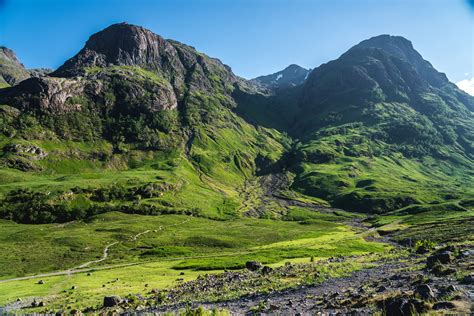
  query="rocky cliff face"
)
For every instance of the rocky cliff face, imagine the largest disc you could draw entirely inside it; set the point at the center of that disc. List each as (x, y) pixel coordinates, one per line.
(156, 71)
(129, 45)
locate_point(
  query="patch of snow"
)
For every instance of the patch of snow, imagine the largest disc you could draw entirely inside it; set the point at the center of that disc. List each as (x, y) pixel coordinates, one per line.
(307, 75)
(279, 77)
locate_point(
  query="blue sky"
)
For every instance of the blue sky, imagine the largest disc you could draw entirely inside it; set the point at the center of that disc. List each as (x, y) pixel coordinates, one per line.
(254, 37)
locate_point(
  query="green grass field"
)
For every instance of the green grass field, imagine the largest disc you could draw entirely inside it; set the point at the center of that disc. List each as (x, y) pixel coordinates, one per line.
(174, 244)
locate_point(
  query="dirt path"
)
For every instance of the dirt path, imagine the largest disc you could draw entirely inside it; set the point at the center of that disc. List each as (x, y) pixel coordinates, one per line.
(104, 256)
(85, 266)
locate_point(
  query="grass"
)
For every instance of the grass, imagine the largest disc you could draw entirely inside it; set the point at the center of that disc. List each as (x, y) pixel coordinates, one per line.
(174, 244)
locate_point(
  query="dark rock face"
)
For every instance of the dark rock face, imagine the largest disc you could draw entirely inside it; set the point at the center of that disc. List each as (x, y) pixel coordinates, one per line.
(403, 49)
(111, 301)
(124, 44)
(45, 93)
(129, 45)
(291, 76)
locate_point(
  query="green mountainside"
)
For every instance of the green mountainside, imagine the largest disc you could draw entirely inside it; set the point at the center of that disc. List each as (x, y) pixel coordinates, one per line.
(378, 129)
(139, 124)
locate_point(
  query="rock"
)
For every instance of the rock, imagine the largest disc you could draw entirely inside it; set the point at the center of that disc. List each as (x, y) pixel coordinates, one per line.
(451, 288)
(267, 270)
(73, 287)
(443, 305)
(443, 257)
(422, 249)
(253, 265)
(466, 253)
(111, 301)
(33, 152)
(40, 282)
(182, 273)
(440, 270)
(424, 291)
(35, 303)
(402, 306)
(381, 289)
(468, 279)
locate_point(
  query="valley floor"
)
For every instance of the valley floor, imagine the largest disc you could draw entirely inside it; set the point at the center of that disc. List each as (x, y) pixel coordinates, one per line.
(318, 259)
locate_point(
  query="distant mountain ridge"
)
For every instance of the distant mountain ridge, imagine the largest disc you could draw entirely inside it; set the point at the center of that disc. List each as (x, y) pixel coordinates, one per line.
(291, 76)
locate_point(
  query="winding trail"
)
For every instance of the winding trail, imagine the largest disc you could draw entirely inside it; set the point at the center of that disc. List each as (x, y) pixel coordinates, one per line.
(85, 267)
(104, 256)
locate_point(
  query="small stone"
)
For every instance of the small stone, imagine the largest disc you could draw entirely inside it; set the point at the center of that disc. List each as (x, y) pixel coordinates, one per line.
(40, 282)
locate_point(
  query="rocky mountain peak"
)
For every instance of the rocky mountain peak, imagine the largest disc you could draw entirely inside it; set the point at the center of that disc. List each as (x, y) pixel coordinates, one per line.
(123, 44)
(402, 49)
(291, 76)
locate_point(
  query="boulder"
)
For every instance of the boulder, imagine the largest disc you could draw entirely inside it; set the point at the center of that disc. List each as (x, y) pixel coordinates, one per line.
(444, 305)
(468, 279)
(401, 306)
(111, 301)
(424, 291)
(443, 257)
(253, 265)
(266, 270)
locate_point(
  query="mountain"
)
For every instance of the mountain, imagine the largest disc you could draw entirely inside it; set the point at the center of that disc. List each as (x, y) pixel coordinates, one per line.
(376, 130)
(381, 129)
(291, 76)
(11, 70)
(129, 100)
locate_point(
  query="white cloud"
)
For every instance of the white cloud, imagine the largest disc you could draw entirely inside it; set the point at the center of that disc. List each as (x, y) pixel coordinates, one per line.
(467, 85)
